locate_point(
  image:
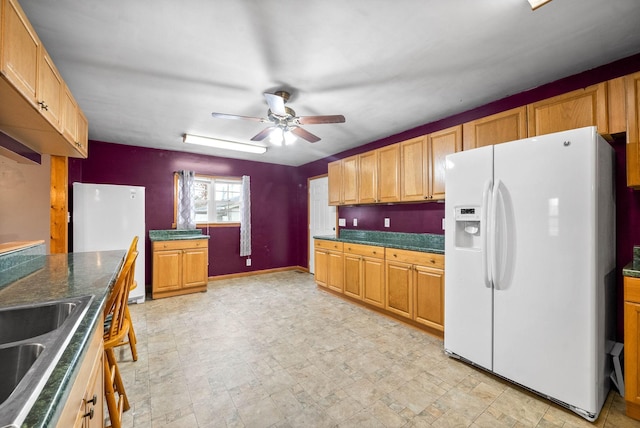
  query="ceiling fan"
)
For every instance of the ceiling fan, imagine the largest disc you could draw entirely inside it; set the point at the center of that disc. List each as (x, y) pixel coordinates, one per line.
(284, 120)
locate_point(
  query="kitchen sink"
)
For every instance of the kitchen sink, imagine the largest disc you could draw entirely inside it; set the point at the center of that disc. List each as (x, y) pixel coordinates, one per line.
(30, 321)
(32, 340)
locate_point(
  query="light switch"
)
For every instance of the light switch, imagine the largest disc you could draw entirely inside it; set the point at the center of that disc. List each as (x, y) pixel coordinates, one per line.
(442, 224)
(387, 222)
(342, 222)
(355, 221)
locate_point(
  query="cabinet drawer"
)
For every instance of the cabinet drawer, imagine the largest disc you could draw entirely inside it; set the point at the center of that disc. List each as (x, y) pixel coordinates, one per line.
(631, 289)
(415, 257)
(180, 244)
(364, 250)
(329, 245)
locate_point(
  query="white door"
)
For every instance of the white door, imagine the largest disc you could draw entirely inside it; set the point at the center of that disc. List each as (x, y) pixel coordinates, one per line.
(544, 296)
(322, 216)
(468, 291)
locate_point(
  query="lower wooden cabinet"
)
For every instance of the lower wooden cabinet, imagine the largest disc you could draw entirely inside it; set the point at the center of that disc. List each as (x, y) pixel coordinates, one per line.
(405, 283)
(84, 407)
(415, 286)
(632, 346)
(179, 267)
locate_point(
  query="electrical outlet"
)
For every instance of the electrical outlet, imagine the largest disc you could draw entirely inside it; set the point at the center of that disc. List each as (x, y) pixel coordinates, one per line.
(342, 222)
(387, 222)
(248, 262)
(355, 221)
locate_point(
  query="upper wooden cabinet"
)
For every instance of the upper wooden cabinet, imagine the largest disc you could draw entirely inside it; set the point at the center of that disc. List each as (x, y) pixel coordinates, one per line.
(343, 181)
(616, 100)
(575, 109)
(32, 93)
(498, 128)
(368, 177)
(389, 173)
(632, 85)
(414, 182)
(441, 144)
(334, 172)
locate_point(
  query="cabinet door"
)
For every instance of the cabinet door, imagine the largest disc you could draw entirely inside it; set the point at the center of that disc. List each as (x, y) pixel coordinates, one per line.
(441, 144)
(413, 182)
(350, 180)
(194, 267)
(335, 275)
(167, 270)
(632, 85)
(631, 352)
(498, 128)
(69, 116)
(616, 99)
(352, 276)
(93, 416)
(389, 173)
(83, 134)
(49, 90)
(373, 281)
(429, 297)
(321, 267)
(399, 288)
(334, 170)
(575, 109)
(368, 177)
(20, 51)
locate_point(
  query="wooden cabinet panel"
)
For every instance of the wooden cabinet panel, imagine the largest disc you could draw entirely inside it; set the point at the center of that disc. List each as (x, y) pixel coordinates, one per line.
(414, 183)
(167, 270)
(83, 135)
(441, 144)
(389, 173)
(334, 170)
(632, 346)
(20, 51)
(399, 298)
(373, 281)
(335, 275)
(632, 87)
(575, 109)
(350, 180)
(616, 100)
(498, 128)
(353, 276)
(69, 116)
(50, 87)
(368, 177)
(194, 268)
(321, 266)
(429, 297)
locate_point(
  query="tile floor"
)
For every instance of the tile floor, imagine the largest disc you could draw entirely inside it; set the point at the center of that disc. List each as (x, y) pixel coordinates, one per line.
(275, 351)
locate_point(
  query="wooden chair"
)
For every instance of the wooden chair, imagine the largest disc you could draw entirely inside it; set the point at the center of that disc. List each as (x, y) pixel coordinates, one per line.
(114, 333)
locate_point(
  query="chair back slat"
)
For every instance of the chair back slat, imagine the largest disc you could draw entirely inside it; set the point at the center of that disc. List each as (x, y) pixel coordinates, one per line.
(117, 301)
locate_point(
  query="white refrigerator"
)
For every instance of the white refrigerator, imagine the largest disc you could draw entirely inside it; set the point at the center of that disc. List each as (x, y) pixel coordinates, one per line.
(107, 217)
(529, 275)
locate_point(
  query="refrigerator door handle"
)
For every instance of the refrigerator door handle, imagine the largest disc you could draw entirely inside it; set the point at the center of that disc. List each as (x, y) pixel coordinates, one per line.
(493, 228)
(486, 205)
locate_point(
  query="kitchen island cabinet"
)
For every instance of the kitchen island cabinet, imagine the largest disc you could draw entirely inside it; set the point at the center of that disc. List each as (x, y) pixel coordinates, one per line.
(179, 267)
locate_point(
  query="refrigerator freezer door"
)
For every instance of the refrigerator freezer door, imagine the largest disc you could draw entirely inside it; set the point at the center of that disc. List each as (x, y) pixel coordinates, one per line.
(107, 217)
(468, 299)
(544, 297)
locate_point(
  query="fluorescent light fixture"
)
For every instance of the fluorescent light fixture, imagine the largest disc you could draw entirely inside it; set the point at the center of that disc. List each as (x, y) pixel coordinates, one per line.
(537, 3)
(223, 144)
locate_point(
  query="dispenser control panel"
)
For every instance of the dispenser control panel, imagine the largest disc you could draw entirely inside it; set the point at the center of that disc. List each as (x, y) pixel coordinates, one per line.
(467, 214)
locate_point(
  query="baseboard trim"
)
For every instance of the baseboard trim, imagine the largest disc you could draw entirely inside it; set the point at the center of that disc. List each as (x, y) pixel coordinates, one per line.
(257, 272)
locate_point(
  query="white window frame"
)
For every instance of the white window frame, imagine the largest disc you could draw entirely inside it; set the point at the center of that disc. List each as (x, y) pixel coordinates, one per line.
(212, 204)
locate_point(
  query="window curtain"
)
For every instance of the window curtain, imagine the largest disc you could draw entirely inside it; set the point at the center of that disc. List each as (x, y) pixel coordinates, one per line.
(186, 200)
(245, 217)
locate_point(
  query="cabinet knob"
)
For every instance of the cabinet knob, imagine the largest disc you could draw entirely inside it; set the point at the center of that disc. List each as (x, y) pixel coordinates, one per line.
(89, 414)
(432, 261)
(94, 400)
(375, 252)
(395, 255)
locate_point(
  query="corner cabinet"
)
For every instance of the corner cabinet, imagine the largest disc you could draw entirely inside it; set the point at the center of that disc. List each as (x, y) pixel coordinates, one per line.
(84, 406)
(179, 267)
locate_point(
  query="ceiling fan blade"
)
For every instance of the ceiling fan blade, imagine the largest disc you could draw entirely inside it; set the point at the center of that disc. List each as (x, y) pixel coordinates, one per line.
(314, 120)
(276, 104)
(235, 116)
(302, 133)
(263, 134)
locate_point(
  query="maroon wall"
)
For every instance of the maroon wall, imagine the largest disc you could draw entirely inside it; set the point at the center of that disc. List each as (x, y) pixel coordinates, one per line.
(274, 208)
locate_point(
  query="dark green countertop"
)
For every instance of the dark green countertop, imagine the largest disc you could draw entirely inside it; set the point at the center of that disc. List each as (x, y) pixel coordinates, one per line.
(176, 234)
(62, 276)
(633, 269)
(423, 242)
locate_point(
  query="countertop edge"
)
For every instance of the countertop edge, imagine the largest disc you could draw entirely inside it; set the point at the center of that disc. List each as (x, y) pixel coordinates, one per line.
(631, 271)
(381, 244)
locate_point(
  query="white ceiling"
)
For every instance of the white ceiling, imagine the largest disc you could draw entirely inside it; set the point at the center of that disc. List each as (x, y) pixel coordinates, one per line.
(146, 72)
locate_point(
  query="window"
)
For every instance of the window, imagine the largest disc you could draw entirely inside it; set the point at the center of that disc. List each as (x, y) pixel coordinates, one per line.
(217, 200)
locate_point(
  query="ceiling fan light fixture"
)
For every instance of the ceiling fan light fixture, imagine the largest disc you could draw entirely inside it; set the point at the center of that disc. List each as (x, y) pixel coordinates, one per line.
(537, 3)
(223, 144)
(276, 137)
(289, 138)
